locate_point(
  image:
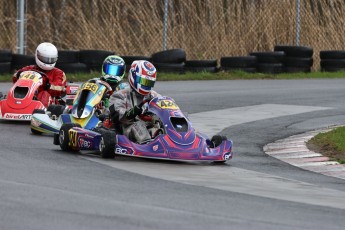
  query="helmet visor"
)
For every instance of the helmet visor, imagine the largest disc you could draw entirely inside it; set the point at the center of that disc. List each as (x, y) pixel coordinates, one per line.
(45, 59)
(113, 70)
(144, 81)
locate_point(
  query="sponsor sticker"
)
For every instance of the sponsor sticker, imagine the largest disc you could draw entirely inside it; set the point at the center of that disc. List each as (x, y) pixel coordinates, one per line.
(15, 116)
(84, 143)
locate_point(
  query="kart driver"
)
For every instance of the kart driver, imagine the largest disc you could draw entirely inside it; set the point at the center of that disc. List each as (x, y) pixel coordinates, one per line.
(46, 56)
(113, 71)
(126, 104)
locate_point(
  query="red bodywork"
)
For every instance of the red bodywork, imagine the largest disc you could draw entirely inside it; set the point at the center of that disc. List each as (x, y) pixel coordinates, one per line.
(21, 100)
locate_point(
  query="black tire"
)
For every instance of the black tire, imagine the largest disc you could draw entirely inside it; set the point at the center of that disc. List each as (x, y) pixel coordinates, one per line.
(298, 62)
(332, 63)
(235, 69)
(170, 67)
(68, 56)
(269, 57)
(5, 67)
(94, 58)
(270, 68)
(295, 51)
(217, 140)
(64, 136)
(169, 56)
(56, 110)
(74, 67)
(130, 59)
(107, 144)
(332, 54)
(238, 62)
(40, 111)
(332, 69)
(5, 55)
(21, 60)
(289, 69)
(201, 69)
(201, 63)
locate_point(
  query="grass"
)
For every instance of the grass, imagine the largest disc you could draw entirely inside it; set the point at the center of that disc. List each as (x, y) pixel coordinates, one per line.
(330, 144)
(210, 76)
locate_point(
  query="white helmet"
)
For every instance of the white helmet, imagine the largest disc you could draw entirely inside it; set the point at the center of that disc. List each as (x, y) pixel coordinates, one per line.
(46, 56)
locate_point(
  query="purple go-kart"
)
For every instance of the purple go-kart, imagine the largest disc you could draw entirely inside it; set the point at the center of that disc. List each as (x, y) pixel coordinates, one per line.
(173, 137)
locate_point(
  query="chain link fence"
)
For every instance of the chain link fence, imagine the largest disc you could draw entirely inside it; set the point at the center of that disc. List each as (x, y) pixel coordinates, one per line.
(205, 29)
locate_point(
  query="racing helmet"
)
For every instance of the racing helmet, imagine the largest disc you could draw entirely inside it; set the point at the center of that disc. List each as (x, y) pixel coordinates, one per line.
(113, 70)
(142, 76)
(46, 56)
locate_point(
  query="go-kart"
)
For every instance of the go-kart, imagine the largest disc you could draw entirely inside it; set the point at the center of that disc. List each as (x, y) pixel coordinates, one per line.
(22, 99)
(173, 137)
(88, 104)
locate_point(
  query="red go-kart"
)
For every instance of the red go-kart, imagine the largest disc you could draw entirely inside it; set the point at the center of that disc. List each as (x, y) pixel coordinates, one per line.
(24, 97)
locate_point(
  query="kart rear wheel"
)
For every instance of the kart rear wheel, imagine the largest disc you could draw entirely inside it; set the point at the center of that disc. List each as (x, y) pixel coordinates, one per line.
(64, 140)
(217, 140)
(56, 110)
(39, 111)
(107, 144)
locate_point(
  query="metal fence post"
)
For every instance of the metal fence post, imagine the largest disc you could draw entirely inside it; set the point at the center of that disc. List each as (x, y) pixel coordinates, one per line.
(165, 29)
(21, 27)
(298, 21)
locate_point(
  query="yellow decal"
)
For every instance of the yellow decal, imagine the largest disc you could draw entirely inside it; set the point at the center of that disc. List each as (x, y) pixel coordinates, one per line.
(73, 138)
(90, 86)
(30, 75)
(167, 104)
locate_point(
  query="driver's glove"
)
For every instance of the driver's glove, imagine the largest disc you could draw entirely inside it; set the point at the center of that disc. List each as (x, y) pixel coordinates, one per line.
(133, 112)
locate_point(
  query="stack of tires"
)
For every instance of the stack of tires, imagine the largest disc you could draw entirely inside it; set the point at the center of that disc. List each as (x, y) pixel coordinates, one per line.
(68, 61)
(297, 58)
(332, 60)
(169, 61)
(21, 60)
(269, 62)
(238, 63)
(5, 61)
(94, 58)
(201, 66)
(130, 59)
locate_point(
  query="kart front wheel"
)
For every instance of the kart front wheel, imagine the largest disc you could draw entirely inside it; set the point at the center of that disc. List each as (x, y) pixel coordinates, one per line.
(64, 139)
(217, 140)
(107, 144)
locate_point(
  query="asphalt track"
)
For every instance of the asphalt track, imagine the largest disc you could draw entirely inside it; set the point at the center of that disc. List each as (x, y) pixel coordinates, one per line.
(42, 187)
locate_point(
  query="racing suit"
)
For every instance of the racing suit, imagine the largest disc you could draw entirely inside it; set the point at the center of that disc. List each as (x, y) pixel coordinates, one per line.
(56, 87)
(120, 103)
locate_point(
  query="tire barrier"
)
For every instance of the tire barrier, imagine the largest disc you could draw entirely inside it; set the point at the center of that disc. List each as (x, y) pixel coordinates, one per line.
(169, 56)
(269, 62)
(239, 63)
(169, 67)
(297, 58)
(332, 61)
(21, 60)
(284, 58)
(201, 66)
(5, 61)
(130, 59)
(94, 58)
(169, 61)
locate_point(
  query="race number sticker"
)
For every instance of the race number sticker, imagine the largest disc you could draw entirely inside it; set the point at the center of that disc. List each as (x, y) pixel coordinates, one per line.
(90, 86)
(32, 76)
(73, 138)
(167, 104)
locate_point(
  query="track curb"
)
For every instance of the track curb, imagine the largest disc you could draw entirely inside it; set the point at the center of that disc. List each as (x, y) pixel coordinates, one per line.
(294, 151)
